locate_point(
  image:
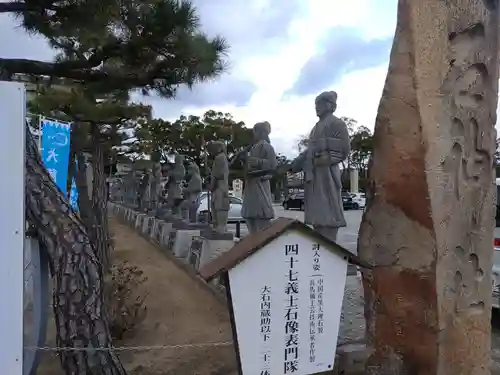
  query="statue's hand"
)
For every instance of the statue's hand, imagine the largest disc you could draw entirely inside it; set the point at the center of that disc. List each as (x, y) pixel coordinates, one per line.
(323, 160)
(253, 162)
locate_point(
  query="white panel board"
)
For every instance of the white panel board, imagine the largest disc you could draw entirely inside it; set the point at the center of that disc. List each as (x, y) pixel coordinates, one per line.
(12, 145)
(287, 301)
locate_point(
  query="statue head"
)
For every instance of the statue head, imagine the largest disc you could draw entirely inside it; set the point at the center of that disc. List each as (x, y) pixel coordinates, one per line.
(326, 103)
(193, 169)
(179, 159)
(261, 131)
(216, 147)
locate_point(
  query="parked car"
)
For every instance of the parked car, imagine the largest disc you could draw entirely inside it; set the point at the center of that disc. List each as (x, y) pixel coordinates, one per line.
(359, 199)
(295, 200)
(347, 202)
(235, 205)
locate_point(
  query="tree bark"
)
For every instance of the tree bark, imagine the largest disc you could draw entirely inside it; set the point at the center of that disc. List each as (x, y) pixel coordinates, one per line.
(99, 201)
(77, 276)
(84, 202)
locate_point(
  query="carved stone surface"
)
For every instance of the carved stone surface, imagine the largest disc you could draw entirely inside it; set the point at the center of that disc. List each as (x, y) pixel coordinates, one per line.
(327, 146)
(260, 165)
(428, 224)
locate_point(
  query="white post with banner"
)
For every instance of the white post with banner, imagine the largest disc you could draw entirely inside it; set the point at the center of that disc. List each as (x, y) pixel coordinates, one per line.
(12, 226)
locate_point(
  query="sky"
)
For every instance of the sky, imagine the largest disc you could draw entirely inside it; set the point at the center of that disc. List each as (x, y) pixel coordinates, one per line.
(281, 58)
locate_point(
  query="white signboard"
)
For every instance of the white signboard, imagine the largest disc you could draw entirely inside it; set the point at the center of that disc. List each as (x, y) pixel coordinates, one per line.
(13, 116)
(238, 188)
(287, 319)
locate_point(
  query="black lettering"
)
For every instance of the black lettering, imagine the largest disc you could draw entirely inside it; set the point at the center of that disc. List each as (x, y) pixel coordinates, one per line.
(292, 249)
(292, 261)
(291, 366)
(291, 315)
(292, 287)
(292, 275)
(291, 327)
(292, 339)
(292, 352)
(292, 301)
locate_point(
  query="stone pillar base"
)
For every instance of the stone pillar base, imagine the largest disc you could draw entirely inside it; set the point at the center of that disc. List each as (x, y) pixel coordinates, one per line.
(214, 244)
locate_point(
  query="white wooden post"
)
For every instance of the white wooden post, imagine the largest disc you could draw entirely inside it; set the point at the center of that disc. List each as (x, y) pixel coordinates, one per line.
(12, 146)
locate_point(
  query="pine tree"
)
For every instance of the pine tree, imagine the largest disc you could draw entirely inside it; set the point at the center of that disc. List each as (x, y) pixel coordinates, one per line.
(107, 48)
(97, 128)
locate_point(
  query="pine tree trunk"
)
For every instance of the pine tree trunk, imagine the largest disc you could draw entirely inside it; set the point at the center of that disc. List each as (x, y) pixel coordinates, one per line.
(99, 201)
(84, 202)
(77, 276)
(79, 135)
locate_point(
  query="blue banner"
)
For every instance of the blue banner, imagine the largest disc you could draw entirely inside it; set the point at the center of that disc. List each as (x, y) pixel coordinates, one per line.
(73, 196)
(55, 144)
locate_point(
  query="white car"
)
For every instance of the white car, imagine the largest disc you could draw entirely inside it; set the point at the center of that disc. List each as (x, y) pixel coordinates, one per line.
(235, 205)
(359, 199)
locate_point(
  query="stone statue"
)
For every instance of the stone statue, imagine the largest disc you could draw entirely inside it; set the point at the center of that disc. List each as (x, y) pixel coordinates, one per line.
(261, 163)
(189, 205)
(155, 185)
(143, 193)
(327, 146)
(174, 192)
(219, 186)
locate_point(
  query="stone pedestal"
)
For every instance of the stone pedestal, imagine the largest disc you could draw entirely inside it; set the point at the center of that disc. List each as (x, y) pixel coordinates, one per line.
(139, 221)
(351, 359)
(184, 237)
(132, 218)
(146, 225)
(183, 241)
(164, 234)
(213, 245)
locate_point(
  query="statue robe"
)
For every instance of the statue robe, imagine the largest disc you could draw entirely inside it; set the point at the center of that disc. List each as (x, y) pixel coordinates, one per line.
(174, 191)
(257, 197)
(323, 186)
(220, 184)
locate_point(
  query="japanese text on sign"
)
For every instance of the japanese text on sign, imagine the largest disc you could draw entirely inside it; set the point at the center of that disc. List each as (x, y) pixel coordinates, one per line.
(291, 363)
(265, 328)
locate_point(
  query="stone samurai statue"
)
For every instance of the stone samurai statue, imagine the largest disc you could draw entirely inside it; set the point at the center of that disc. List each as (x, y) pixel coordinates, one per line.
(261, 163)
(191, 192)
(219, 186)
(174, 192)
(327, 146)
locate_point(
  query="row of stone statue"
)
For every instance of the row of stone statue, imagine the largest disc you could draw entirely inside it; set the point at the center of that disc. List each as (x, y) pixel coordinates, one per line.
(328, 145)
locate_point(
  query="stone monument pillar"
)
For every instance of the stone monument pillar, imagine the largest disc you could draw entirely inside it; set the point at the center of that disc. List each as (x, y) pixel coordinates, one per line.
(354, 179)
(428, 224)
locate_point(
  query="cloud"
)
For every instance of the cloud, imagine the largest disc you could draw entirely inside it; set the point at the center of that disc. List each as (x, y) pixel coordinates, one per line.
(228, 90)
(343, 51)
(251, 27)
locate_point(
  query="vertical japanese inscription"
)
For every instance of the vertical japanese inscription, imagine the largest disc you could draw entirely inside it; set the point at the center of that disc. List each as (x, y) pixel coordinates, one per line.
(265, 329)
(316, 302)
(291, 355)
